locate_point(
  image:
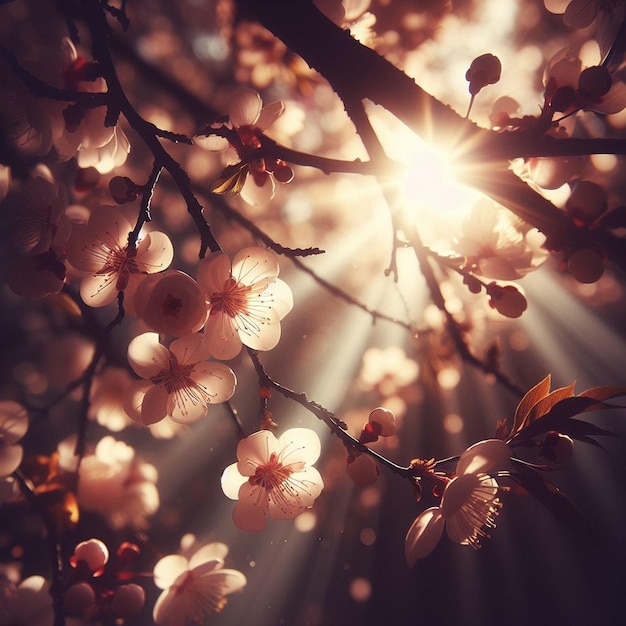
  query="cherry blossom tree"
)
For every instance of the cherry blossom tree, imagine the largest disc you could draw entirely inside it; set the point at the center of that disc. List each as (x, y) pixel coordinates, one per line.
(294, 296)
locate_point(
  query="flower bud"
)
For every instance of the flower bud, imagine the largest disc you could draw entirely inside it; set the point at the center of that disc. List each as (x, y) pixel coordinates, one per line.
(93, 552)
(363, 470)
(78, 598)
(507, 300)
(586, 265)
(386, 420)
(484, 70)
(587, 202)
(127, 600)
(557, 447)
(123, 189)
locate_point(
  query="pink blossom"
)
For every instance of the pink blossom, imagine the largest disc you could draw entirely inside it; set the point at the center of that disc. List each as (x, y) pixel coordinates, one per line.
(194, 588)
(116, 484)
(250, 120)
(101, 248)
(179, 382)
(28, 603)
(36, 227)
(495, 248)
(246, 301)
(469, 503)
(171, 303)
(273, 477)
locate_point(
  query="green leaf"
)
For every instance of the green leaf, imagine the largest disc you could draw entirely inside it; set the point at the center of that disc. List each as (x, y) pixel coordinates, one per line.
(231, 179)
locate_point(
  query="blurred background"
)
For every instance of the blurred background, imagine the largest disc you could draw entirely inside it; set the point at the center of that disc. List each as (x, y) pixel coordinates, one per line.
(342, 562)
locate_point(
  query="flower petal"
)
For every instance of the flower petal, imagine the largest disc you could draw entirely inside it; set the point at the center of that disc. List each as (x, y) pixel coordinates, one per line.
(190, 349)
(423, 535)
(217, 380)
(269, 114)
(10, 459)
(154, 253)
(213, 272)
(215, 551)
(299, 445)
(154, 405)
(245, 108)
(168, 569)
(249, 512)
(254, 264)
(221, 336)
(255, 450)
(295, 494)
(483, 457)
(257, 195)
(147, 356)
(232, 481)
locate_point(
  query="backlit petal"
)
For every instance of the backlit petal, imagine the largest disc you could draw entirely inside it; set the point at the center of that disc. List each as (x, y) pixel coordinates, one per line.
(269, 114)
(299, 445)
(147, 356)
(483, 457)
(244, 108)
(423, 535)
(249, 512)
(255, 450)
(215, 551)
(168, 569)
(232, 481)
(216, 379)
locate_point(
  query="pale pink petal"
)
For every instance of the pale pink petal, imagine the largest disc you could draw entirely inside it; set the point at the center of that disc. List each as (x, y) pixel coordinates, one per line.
(207, 568)
(221, 336)
(190, 349)
(230, 581)
(281, 297)
(211, 552)
(213, 272)
(170, 608)
(255, 450)
(147, 356)
(10, 459)
(483, 457)
(168, 569)
(98, 290)
(299, 445)
(249, 512)
(186, 406)
(154, 252)
(244, 108)
(133, 399)
(252, 265)
(212, 143)
(423, 535)
(498, 268)
(259, 335)
(294, 495)
(13, 422)
(258, 195)
(232, 481)
(217, 380)
(154, 406)
(269, 114)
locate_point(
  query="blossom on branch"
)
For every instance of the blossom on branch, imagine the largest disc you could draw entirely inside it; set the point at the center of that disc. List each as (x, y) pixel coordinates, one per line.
(246, 301)
(495, 248)
(469, 503)
(115, 483)
(101, 247)
(273, 477)
(194, 588)
(253, 178)
(35, 228)
(179, 382)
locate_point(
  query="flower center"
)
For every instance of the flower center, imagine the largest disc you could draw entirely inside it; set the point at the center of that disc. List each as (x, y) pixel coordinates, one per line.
(232, 300)
(175, 377)
(272, 474)
(171, 306)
